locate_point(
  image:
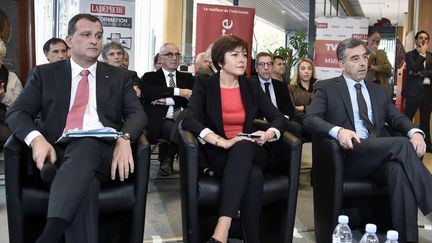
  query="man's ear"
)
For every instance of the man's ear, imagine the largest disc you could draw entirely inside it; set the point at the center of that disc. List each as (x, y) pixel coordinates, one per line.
(68, 40)
(341, 64)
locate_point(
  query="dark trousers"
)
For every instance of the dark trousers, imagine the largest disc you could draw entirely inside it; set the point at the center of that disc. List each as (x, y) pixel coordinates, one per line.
(241, 172)
(392, 161)
(82, 164)
(167, 150)
(423, 102)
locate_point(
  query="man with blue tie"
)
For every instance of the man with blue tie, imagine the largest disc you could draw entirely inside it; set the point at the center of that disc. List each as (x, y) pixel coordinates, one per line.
(356, 113)
(276, 90)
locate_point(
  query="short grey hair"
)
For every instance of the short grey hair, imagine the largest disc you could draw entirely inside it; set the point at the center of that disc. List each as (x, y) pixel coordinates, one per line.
(162, 50)
(200, 56)
(262, 54)
(2, 49)
(109, 46)
(348, 44)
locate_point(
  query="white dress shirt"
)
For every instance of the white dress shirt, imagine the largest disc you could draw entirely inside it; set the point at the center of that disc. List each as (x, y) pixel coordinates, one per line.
(91, 118)
(170, 101)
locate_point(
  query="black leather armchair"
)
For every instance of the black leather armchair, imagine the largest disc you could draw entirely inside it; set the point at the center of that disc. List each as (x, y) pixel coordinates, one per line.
(334, 194)
(121, 204)
(200, 193)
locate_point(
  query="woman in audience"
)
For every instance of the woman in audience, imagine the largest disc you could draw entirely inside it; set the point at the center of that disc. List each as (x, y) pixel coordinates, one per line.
(301, 87)
(221, 107)
(10, 88)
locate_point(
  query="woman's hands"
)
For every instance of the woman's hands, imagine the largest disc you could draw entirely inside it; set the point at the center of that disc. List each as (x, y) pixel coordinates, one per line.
(265, 136)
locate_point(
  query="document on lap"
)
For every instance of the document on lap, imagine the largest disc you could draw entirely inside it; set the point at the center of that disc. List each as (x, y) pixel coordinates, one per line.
(105, 133)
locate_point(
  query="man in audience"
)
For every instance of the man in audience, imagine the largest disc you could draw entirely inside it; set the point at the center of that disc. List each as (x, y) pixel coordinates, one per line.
(276, 90)
(211, 69)
(92, 95)
(356, 113)
(157, 62)
(417, 88)
(201, 62)
(55, 49)
(278, 69)
(113, 54)
(379, 67)
(165, 92)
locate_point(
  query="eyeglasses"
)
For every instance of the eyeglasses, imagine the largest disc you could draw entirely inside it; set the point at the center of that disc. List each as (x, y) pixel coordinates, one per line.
(171, 55)
(262, 64)
(357, 59)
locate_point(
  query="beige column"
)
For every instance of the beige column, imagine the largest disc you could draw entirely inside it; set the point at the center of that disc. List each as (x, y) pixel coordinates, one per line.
(425, 18)
(173, 22)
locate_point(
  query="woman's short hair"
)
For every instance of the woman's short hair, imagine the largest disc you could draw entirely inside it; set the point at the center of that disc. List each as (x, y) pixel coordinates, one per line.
(224, 44)
(2, 49)
(113, 45)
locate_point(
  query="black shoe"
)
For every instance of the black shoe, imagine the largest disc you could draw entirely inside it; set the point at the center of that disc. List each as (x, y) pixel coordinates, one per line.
(166, 168)
(213, 240)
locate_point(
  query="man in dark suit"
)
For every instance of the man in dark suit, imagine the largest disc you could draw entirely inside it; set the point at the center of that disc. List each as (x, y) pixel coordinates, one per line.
(276, 90)
(165, 92)
(355, 113)
(82, 94)
(417, 88)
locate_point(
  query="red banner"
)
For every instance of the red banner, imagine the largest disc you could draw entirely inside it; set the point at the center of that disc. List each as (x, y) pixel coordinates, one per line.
(214, 21)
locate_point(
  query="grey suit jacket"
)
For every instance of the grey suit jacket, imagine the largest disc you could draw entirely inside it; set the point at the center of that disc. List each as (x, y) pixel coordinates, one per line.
(331, 106)
(48, 93)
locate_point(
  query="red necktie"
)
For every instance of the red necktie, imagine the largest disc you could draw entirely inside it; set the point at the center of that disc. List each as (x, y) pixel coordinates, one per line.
(76, 114)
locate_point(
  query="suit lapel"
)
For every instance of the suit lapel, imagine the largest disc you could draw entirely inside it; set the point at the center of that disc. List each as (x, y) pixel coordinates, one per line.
(62, 79)
(344, 93)
(247, 101)
(103, 76)
(217, 111)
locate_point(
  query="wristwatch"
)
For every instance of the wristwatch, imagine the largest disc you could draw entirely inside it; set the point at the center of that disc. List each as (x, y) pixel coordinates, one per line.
(125, 136)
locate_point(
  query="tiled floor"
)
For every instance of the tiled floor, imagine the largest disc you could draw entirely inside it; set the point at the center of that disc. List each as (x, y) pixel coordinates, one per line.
(163, 218)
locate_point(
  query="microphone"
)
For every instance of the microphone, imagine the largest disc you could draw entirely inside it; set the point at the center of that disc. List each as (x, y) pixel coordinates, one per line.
(208, 172)
(48, 172)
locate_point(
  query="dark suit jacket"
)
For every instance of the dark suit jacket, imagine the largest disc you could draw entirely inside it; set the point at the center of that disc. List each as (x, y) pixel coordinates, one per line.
(205, 109)
(154, 87)
(48, 92)
(283, 100)
(331, 106)
(414, 63)
(133, 77)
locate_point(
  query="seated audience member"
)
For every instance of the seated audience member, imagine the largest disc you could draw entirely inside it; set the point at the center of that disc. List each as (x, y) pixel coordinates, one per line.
(278, 70)
(125, 63)
(221, 107)
(201, 62)
(356, 113)
(157, 62)
(85, 163)
(379, 67)
(301, 87)
(275, 90)
(211, 69)
(165, 92)
(55, 49)
(10, 88)
(113, 54)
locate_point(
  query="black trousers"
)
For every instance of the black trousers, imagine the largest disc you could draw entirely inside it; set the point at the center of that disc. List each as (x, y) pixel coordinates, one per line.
(392, 161)
(241, 171)
(82, 165)
(167, 150)
(423, 102)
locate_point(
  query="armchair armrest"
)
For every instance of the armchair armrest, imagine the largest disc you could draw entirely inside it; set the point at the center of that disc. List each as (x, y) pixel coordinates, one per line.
(189, 163)
(15, 155)
(327, 174)
(141, 151)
